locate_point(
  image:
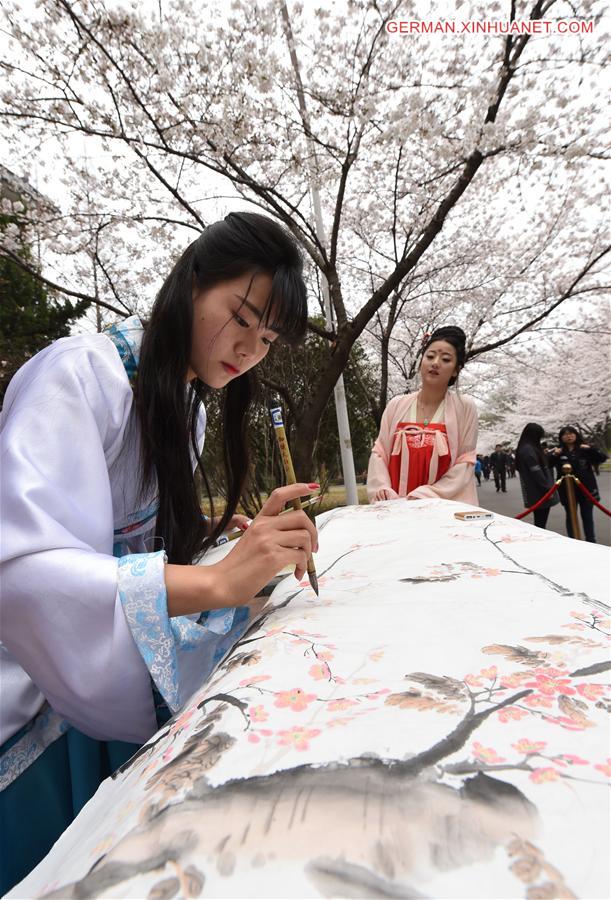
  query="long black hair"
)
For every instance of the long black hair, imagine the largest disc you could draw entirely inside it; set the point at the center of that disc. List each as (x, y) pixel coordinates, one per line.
(168, 408)
(573, 430)
(453, 335)
(531, 434)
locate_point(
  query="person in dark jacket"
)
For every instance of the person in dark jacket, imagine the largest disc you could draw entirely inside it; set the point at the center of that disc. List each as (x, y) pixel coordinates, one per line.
(582, 458)
(535, 476)
(498, 464)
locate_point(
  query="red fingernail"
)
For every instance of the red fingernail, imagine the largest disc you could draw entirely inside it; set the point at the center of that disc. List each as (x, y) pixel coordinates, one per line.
(314, 485)
(244, 526)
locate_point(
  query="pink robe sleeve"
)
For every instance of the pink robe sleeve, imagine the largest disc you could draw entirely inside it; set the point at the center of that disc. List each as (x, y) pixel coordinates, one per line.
(458, 483)
(378, 476)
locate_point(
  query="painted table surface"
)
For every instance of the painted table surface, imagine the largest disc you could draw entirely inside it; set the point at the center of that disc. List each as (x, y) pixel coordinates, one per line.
(434, 725)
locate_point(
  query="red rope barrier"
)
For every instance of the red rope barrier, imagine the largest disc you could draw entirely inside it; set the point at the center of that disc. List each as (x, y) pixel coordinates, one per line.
(545, 497)
(592, 498)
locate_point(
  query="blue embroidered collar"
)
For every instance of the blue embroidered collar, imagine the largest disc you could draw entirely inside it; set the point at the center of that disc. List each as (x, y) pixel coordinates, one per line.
(127, 338)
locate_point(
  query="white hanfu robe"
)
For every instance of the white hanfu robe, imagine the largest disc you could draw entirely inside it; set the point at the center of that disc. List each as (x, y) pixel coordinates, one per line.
(84, 632)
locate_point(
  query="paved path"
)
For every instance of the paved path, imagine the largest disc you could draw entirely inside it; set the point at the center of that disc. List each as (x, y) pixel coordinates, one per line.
(510, 504)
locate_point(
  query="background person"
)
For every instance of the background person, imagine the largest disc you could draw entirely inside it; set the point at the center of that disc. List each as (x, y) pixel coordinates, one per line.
(511, 464)
(486, 467)
(104, 634)
(535, 476)
(427, 439)
(582, 458)
(498, 464)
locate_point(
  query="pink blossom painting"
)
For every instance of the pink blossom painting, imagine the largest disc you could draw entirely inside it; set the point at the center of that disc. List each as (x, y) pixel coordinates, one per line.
(435, 724)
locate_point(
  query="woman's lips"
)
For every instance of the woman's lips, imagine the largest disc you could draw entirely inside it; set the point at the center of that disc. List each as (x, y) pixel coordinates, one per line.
(231, 370)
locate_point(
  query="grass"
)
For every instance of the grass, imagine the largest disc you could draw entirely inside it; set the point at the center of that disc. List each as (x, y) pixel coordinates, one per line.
(335, 496)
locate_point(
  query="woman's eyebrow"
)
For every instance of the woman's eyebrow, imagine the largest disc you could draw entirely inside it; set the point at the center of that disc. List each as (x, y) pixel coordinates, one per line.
(254, 310)
(248, 305)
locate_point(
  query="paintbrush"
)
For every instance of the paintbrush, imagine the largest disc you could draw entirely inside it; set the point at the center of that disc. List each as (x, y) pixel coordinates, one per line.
(287, 462)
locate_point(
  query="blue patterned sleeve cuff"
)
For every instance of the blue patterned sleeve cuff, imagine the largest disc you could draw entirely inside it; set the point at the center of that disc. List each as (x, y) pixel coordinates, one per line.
(144, 599)
(175, 650)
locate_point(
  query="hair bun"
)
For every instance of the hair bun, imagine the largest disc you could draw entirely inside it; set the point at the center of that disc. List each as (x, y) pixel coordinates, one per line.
(445, 331)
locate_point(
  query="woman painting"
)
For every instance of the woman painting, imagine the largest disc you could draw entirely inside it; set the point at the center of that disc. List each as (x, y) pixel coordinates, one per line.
(107, 628)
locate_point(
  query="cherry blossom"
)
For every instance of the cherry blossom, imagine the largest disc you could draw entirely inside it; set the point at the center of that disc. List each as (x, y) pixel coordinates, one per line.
(543, 775)
(538, 700)
(258, 713)
(141, 128)
(254, 679)
(591, 691)
(509, 713)
(295, 699)
(605, 768)
(319, 671)
(548, 682)
(569, 759)
(342, 703)
(527, 746)
(298, 738)
(486, 754)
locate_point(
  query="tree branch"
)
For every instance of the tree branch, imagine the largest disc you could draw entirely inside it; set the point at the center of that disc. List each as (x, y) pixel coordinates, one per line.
(5, 251)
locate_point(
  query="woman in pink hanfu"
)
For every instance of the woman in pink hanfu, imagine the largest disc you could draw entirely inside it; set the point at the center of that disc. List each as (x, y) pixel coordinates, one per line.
(426, 444)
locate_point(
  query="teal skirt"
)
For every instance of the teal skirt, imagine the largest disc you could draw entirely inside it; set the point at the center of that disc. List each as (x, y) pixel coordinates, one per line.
(40, 804)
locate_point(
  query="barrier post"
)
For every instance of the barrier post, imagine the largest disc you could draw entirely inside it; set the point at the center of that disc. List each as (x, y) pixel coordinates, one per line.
(569, 483)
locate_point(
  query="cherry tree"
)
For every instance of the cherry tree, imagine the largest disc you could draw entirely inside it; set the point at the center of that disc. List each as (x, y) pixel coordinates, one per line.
(459, 176)
(563, 379)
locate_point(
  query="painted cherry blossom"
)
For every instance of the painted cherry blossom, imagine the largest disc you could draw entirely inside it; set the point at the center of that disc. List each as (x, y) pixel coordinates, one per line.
(486, 573)
(298, 738)
(319, 671)
(255, 736)
(591, 691)
(254, 679)
(540, 776)
(486, 754)
(550, 682)
(258, 713)
(605, 768)
(566, 722)
(490, 672)
(273, 631)
(182, 720)
(509, 713)
(376, 694)
(487, 674)
(538, 700)
(527, 746)
(341, 703)
(569, 759)
(295, 699)
(515, 679)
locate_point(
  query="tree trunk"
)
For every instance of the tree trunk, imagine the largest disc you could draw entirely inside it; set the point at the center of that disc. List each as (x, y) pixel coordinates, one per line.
(306, 431)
